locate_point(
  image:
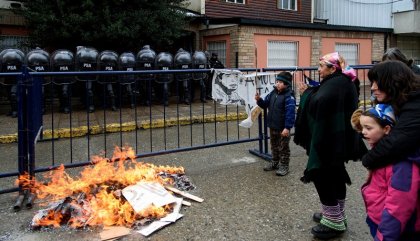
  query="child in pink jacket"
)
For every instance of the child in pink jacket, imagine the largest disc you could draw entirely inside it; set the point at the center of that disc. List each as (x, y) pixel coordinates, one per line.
(391, 193)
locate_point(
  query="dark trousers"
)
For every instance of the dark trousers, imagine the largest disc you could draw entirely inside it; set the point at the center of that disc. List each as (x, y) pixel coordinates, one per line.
(330, 184)
(280, 150)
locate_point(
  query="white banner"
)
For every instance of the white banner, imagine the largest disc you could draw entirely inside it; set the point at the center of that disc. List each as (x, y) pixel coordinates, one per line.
(232, 87)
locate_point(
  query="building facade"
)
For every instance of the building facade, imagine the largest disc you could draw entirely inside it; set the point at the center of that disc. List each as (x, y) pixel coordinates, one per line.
(274, 33)
(13, 34)
(277, 33)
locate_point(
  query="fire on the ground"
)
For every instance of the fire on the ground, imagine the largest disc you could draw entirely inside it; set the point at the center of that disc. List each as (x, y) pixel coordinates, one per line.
(96, 198)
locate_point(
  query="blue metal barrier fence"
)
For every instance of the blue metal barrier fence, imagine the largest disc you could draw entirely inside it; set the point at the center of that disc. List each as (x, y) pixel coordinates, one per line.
(45, 133)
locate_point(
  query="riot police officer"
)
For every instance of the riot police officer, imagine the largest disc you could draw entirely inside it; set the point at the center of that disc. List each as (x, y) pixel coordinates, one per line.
(145, 60)
(200, 62)
(214, 63)
(11, 60)
(38, 60)
(62, 60)
(127, 62)
(108, 61)
(164, 61)
(183, 61)
(86, 61)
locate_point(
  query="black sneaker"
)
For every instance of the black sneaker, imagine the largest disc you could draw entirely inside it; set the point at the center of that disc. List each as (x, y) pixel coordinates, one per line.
(271, 166)
(317, 217)
(323, 232)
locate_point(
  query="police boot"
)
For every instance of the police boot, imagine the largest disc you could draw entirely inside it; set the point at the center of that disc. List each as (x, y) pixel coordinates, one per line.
(131, 96)
(111, 96)
(203, 92)
(271, 166)
(209, 90)
(90, 98)
(65, 99)
(187, 96)
(13, 101)
(165, 94)
(186, 92)
(65, 105)
(112, 100)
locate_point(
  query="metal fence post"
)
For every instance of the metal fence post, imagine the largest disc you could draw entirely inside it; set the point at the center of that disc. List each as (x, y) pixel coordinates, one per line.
(22, 137)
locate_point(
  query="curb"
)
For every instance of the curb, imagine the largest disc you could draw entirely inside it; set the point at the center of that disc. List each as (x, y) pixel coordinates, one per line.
(142, 125)
(129, 126)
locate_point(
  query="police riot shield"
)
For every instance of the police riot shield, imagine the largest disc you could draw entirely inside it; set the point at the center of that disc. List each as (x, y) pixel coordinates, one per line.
(38, 60)
(183, 61)
(62, 60)
(108, 61)
(86, 60)
(11, 60)
(127, 62)
(199, 62)
(145, 60)
(164, 61)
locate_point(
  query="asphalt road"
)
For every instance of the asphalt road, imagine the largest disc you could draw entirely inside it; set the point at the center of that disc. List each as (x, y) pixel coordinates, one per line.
(241, 202)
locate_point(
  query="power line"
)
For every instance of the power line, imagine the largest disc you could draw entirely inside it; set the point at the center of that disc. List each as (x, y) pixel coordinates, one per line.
(374, 3)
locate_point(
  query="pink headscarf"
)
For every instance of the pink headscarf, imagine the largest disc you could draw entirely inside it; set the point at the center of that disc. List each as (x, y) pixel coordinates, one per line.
(335, 59)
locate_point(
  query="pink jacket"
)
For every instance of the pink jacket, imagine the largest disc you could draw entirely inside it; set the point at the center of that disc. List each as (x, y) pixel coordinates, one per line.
(392, 199)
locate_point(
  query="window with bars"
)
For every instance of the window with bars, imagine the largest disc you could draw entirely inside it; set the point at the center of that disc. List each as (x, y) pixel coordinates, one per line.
(218, 47)
(287, 4)
(282, 53)
(349, 51)
(236, 1)
(19, 42)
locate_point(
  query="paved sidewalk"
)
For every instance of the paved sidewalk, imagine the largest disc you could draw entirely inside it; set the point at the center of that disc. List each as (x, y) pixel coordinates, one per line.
(79, 120)
(241, 202)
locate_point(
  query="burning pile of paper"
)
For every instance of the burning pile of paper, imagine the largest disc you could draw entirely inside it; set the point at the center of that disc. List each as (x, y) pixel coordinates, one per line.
(114, 193)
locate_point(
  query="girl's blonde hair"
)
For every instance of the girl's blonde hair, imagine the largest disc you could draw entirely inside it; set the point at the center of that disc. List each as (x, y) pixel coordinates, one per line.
(355, 120)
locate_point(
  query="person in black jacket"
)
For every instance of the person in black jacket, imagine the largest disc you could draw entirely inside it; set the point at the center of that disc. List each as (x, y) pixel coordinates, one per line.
(402, 88)
(281, 106)
(324, 130)
(396, 54)
(214, 63)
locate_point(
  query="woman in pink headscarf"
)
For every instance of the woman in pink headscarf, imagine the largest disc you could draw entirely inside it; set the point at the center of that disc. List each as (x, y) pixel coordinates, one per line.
(323, 128)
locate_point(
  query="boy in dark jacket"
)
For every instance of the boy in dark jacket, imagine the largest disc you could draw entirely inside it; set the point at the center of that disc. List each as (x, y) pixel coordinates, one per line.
(280, 119)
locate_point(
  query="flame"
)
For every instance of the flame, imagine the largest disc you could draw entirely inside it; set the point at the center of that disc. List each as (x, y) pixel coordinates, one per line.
(96, 197)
